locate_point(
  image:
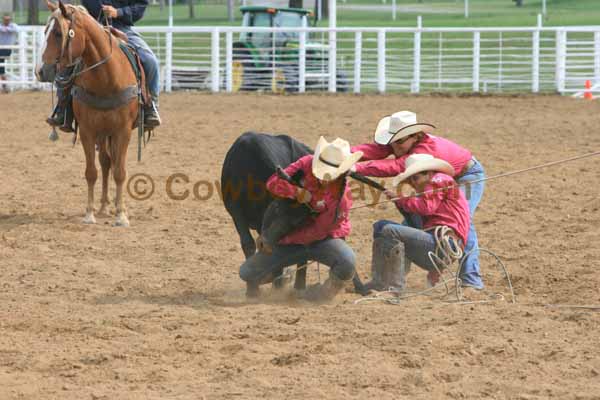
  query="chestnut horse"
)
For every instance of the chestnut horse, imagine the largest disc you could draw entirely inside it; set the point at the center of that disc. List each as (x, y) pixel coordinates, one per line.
(103, 75)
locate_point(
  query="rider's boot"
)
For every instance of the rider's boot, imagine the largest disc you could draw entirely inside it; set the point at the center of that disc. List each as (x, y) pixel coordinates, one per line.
(151, 117)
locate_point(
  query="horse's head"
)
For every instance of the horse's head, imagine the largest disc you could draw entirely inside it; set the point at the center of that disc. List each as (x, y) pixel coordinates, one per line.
(65, 40)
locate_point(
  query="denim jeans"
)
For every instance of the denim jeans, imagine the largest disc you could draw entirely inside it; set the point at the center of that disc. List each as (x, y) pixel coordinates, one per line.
(148, 59)
(470, 273)
(417, 243)
(335, 253)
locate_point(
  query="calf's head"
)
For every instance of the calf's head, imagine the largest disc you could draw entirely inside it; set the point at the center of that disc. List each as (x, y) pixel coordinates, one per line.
(281, 217)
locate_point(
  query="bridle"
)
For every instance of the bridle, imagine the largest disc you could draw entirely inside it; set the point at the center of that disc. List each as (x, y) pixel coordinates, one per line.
(77, 64)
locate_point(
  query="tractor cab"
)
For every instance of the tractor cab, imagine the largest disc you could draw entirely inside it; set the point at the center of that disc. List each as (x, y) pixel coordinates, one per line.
(270, 17)
(270, 60)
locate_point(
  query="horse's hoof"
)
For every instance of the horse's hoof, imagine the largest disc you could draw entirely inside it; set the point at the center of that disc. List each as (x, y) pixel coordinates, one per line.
(122, 222)
(103, 213)
(89, 219)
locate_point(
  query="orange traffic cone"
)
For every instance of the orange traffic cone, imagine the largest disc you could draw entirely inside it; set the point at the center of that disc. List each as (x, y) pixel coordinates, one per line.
(587, 93)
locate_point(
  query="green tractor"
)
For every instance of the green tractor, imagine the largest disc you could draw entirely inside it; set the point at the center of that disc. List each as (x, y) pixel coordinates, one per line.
(270, 61)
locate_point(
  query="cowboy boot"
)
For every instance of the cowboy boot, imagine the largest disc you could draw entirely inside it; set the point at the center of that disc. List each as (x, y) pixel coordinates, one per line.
(377, 264)
(62, 116)
(151, 117)
(397, 265)
(326, 291)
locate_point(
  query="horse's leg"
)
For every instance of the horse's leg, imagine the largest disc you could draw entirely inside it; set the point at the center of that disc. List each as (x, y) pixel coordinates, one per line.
(91, 174)
(118, 144)
(105, 164)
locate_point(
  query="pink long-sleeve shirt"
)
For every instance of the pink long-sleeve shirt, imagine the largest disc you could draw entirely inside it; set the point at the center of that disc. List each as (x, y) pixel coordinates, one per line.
(443, 207)
(324, 201)
(375, 161)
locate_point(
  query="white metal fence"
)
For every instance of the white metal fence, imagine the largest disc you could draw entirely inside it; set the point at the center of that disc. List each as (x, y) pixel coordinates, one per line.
(358, 59)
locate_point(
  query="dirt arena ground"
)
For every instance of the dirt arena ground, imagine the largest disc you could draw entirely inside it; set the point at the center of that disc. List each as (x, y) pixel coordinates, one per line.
(157, 311)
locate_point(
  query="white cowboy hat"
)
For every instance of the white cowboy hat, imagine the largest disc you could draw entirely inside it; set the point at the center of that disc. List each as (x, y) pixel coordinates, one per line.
(399, 125)
(416, 163)
(333, 159)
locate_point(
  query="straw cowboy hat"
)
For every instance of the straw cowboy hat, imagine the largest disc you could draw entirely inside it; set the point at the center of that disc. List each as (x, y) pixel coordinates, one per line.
(333, 159)
(416, 163)
(399, 125)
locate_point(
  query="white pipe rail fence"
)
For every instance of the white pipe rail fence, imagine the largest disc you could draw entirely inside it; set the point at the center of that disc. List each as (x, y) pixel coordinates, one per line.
(359, 60)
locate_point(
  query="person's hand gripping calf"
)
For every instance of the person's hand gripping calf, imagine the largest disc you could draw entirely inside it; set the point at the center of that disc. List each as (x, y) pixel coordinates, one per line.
(303, 196)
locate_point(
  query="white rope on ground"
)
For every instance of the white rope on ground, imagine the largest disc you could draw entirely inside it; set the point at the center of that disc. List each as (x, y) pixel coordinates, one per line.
(503, 175)
(398, 296)
(498, 262)
(583, 307)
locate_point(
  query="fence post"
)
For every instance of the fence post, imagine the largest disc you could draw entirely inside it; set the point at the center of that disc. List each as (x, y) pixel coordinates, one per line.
(416, 85)
(169, 60)
(332, 60)
(357, 60)
(228, 61)
(596, 57)
(302, 63)
(214, 70)
(23, 57)
(561, 37)
(476, 59)
(381, 60)
(535, 67)
(440, 61)
(500, 61)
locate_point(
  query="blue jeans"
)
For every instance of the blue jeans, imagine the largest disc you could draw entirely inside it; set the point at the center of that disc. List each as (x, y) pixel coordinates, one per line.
(417, 243)
(470, 273)
(335, 253)
(148, 59)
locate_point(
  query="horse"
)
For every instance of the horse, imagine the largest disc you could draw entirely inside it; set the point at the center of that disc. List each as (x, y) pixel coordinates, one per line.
(105, 97)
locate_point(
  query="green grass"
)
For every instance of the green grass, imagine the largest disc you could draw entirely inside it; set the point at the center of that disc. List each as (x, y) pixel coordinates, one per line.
(435, 13)
(489, 13)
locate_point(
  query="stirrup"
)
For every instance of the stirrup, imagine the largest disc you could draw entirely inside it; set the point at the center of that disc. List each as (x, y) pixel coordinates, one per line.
(57, 123)
(151, 117)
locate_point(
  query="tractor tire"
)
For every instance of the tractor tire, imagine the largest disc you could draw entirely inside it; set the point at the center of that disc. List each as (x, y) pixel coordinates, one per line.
(278, 81)
(241, 70)
(341, 82)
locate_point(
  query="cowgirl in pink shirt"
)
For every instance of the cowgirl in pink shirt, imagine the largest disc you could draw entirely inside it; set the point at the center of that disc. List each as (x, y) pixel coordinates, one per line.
(321, 238)
(395, 245)
(401, 135)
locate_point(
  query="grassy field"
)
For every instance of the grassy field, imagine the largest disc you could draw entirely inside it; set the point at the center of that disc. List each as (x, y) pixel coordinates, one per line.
(435, 13)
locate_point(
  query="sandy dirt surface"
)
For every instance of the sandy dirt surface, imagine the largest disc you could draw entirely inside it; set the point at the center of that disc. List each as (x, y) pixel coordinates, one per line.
(157, 310)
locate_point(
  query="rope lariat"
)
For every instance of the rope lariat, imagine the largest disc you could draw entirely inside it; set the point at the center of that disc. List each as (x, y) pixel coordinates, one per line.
(466, 184)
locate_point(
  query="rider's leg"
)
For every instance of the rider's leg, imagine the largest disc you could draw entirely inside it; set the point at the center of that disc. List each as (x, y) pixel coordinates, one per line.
(150, 64)
(470, 273)
(62, 115)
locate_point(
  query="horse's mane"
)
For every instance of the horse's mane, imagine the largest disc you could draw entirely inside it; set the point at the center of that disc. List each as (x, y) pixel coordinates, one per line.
(57, 14)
